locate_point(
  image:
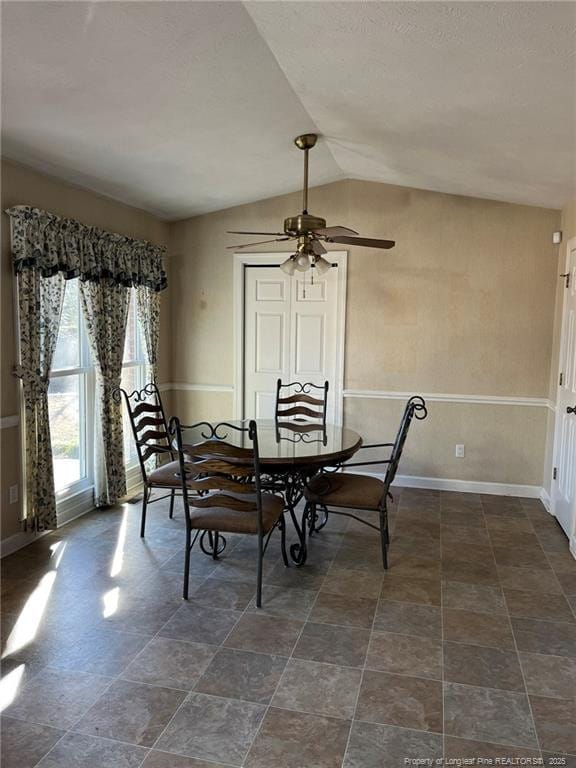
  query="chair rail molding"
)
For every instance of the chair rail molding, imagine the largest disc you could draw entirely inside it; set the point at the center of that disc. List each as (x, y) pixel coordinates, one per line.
(440, 397)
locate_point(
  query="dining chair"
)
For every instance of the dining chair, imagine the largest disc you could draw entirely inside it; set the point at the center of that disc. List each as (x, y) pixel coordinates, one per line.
(301, 400)
(222, 490)
(335, 492)
(150, 431)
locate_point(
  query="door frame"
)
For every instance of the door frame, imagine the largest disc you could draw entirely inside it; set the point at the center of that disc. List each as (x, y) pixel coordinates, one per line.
(570, 246)
(244, 260)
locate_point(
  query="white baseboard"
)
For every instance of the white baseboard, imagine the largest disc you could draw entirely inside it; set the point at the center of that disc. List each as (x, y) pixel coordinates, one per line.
(545, 499)
(19, 541)
(468, 486)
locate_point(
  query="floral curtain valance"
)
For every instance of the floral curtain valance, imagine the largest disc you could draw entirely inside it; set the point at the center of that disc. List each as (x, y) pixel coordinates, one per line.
(50, 244)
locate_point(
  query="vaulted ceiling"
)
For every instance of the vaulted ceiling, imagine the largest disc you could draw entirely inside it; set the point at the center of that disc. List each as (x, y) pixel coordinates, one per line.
(186, 107)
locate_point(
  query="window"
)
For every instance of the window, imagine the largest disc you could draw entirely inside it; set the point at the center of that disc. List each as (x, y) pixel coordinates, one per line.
(71, 395)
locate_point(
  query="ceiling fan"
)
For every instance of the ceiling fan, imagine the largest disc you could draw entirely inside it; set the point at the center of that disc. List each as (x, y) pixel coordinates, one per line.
(310, 231)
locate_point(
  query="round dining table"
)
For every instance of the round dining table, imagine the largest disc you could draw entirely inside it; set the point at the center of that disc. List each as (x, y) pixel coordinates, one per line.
(291, 453)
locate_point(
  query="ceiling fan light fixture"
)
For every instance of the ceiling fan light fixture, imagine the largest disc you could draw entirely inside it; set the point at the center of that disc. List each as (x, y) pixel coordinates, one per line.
(288, 266)
(302, 262)
(322, 265)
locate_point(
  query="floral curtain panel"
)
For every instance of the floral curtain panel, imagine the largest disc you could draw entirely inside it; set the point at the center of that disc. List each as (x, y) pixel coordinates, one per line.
(46, 250)
(148, 309)
(105, 307)
(39, 307)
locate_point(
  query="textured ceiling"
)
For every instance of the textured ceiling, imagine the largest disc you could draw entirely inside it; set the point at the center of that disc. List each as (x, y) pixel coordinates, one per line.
(186, 107)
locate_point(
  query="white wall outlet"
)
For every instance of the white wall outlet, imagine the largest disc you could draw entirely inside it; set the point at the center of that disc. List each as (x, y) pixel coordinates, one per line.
(460, 452)
(13, 494)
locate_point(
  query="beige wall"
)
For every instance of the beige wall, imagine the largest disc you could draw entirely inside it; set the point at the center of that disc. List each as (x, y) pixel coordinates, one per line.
(463, 305)
(21, 186)
(568, 227)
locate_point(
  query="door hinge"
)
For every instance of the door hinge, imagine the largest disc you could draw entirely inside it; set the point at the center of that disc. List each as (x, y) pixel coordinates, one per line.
(561, 380)
(555, 473)
(567, 276)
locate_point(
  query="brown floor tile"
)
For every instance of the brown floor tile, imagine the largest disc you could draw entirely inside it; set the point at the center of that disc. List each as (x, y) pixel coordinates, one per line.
(408, 590)
(485, 714)
(339, 609)
(405, 655)
(484, 667)
(242, 675)
(538, 606)
(213, 729)
(309, 576)
(170, 663)
(510, 524)
(99, 652)
(567, 582)
(131, 712)
(384, 746)
(334, 645)
(472, 597)
(322, 689)
(289, 603)
(549, 675)
(402, 545)
(472, 572)
(24, 744)
(552, 638)
(197, 624)
(265, 634)
(158, 759)
(464, 535)
(57, 698)
(477, 629)
(218, 593)
(80, 751)
(498, 754)
(409, 702)
(520, 556)
(528, 580)
(344, 581)
(293, 740)
(452, 517)
(553, 541)
(412, 566)
(409, 619)
(424, 529)
(555, 723)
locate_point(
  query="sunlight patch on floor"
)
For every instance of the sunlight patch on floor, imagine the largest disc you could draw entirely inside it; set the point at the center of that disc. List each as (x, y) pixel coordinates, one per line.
(26, 627)
(9, 686)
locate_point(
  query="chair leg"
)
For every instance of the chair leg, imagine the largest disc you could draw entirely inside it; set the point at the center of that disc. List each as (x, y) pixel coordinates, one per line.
(312, 518)
(187, 564)
(384, 537)
(147, 492)
(171, 513)
(259, 574)
(282, 526)
(215, 546)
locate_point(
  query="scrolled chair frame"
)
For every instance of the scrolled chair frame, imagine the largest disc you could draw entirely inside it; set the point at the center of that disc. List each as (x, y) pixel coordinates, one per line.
(326, 484)
(298, 403)
(218, 477)
(152, 439)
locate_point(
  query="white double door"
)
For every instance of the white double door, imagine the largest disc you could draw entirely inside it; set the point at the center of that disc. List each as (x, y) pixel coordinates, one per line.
(564, 485)
(292, 332)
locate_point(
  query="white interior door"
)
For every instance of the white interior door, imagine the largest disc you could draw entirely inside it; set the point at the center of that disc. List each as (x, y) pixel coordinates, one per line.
(292, 331)
(564, 486)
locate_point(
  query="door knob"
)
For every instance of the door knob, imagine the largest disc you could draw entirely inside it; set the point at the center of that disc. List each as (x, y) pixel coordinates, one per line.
(571, 410)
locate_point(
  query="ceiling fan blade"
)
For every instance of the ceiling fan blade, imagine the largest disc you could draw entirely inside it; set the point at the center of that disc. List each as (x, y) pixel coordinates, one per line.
(260, 242)
(232, 232)
(335, 231)
(366, 241)
(317, 247)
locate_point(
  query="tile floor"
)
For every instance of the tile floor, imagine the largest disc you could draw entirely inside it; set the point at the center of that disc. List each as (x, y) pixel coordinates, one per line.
(465, 648)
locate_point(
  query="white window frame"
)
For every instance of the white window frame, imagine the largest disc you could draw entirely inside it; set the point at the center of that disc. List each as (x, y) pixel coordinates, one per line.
(77, 496)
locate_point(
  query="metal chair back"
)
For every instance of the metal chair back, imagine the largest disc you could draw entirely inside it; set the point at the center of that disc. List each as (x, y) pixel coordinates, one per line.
(217, 473)
(148, 423)
(304, 401)
(415, 408)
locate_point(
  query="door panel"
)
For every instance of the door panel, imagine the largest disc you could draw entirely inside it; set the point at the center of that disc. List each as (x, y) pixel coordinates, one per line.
(290, 332)
(564, 487)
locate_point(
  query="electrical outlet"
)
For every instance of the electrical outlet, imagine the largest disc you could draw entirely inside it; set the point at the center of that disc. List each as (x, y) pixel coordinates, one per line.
(460, 452)
(13, 494)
